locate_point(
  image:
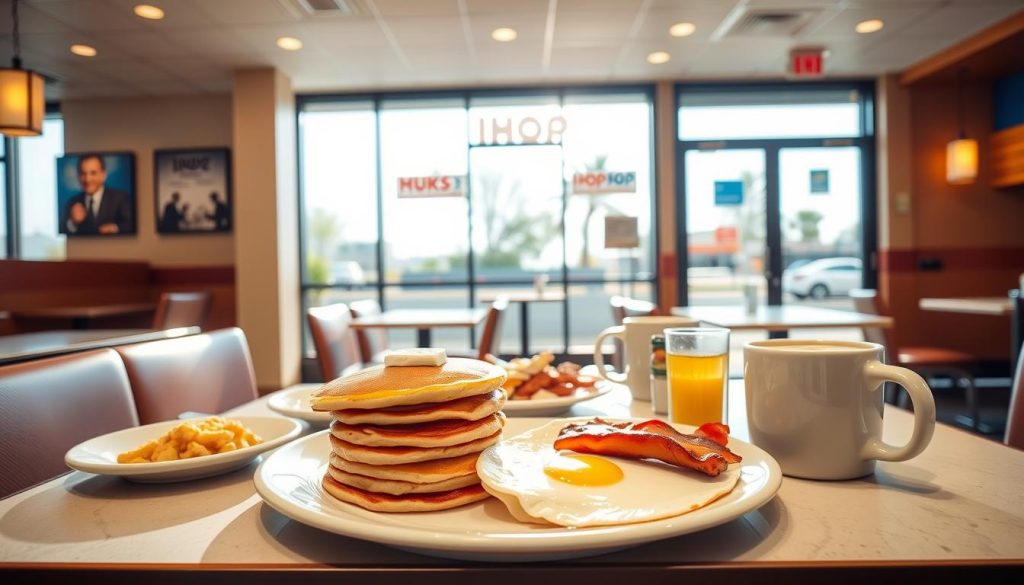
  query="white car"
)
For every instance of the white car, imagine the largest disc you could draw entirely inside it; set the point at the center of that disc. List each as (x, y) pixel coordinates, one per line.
(819, 279)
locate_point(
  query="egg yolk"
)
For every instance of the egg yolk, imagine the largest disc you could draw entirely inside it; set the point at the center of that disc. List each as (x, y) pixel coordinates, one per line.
(583, 470)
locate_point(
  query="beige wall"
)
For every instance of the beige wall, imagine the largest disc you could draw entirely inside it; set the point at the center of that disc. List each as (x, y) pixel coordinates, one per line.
(141, 125)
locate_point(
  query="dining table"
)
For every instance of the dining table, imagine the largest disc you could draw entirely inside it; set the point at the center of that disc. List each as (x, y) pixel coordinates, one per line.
(523, 298)
(1009, 306)
(20, 347)
(779, 319)
(953, 512)
(80, 316)
(422, 320)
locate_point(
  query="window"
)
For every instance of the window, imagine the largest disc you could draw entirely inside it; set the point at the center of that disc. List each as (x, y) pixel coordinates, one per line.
(37, 188)
(4, 201)
(511, 219)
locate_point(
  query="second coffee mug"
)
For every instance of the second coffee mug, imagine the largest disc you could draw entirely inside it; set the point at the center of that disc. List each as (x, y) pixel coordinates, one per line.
(816, 406)
(635, 333)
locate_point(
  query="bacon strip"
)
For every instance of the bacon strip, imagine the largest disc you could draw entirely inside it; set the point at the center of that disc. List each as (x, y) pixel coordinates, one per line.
(652, 439)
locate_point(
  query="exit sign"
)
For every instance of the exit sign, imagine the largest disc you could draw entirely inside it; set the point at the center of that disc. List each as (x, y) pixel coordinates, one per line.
(807, 62)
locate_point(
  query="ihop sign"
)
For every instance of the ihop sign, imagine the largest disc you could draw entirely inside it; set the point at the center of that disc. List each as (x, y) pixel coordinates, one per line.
(604, 182)
(437, 186)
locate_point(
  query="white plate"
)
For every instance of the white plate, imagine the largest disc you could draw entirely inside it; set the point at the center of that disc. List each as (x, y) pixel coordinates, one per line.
(99, 455)
(289, 481)
(294, 402)
(556, 406)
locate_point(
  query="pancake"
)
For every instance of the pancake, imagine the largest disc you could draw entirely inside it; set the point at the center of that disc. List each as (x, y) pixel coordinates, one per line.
(396, 455)
(441, 433)
(469, 408)
(432, 471)
(379, 502)
(387, 386)
(398, 488)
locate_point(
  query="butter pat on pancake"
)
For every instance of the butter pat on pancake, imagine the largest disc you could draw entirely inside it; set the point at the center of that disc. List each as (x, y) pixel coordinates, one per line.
(469, 408)
(432, 471)
(398, 488)
(386, 386)
(396, 455)
(441, 433)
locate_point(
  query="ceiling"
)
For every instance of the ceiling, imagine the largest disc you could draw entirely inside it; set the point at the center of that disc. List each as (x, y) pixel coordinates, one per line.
(442, 43)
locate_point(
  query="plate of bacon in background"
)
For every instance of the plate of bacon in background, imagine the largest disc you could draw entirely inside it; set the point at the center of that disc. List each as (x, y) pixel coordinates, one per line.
(537, 387)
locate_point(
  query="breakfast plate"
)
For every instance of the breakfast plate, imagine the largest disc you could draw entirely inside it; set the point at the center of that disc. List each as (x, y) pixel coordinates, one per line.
(99, 455)
(289, 480)
(558, 405)
(294, 402)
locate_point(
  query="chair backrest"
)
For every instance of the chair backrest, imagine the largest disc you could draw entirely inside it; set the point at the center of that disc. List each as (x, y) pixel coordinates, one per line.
(865, 300)
(490, 337)
(371, 341)
(1015, 418)
(209, 373)
(181, 309)
(48, 406)
(334, 339)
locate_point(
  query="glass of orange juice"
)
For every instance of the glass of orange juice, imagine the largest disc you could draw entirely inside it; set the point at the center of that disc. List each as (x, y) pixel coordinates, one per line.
(698, 370)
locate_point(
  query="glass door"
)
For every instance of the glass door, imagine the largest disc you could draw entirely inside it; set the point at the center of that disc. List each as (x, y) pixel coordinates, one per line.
(726, 224)
(822, 235)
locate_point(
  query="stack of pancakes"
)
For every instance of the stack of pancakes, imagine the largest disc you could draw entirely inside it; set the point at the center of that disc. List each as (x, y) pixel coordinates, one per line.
(406, 438)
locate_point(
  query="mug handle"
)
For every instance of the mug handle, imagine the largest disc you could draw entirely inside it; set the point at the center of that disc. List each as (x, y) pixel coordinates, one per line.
(612, 376)
(924, 412)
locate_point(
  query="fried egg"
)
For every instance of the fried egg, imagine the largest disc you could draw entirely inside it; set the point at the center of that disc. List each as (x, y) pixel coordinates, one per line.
(539, 484)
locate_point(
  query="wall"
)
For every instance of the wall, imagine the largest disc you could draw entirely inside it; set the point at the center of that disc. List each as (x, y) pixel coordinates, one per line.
(975, 231)
(142, 125)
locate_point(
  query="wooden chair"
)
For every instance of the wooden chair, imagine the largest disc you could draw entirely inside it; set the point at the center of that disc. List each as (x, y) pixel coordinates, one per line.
(206, 373)
(1015, 418)
(48, 406)
(623, 307)
(926, 361)
(490, 337)
(181, 309)
(372, 342)
(337, 348)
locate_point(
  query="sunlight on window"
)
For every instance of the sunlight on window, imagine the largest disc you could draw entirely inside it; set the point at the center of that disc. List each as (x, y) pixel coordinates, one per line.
(37, 185)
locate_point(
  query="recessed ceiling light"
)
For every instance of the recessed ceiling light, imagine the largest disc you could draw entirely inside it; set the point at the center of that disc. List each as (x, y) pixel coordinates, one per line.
(658, 58)
(682, 29)
(289, 43)
(83, 50)
(504, 35)
(149, 12)
(869, 26)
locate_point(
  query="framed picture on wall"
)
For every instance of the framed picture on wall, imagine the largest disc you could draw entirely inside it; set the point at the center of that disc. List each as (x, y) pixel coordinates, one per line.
(96, 194)
(192, 190)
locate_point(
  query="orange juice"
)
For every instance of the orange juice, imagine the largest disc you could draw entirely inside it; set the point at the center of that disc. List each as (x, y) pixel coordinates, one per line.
(695, 388)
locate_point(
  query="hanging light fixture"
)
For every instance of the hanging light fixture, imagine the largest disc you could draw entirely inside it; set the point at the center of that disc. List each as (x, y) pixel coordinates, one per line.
(962, 153)
(22, 102)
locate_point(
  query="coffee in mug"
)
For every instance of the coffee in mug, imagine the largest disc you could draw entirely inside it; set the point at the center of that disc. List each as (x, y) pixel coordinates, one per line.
(635, 333)
(816, 406)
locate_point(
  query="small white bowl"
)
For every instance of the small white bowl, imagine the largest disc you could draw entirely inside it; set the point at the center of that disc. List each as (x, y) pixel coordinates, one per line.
(99, 455)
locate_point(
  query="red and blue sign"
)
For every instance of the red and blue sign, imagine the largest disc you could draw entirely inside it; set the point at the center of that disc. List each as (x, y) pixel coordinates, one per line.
(604, 182)
(437, 186)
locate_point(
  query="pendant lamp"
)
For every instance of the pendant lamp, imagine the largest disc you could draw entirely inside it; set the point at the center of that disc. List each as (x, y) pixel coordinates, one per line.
(22, 99)
(962, 153)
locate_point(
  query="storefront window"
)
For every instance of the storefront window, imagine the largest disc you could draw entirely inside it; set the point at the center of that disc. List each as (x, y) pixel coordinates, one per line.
(37, 190)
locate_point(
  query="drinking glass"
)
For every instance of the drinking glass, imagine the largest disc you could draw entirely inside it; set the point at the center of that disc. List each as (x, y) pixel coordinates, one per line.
(698, 370)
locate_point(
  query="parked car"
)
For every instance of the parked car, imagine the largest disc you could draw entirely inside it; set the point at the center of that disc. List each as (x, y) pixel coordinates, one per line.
(822, 278)
(347, 273)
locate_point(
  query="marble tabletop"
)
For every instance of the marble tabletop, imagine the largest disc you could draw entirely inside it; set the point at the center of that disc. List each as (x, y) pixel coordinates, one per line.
(958, 504)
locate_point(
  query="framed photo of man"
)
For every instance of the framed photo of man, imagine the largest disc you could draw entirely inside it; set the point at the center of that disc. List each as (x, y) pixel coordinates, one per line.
(96, 194)
(192, 190)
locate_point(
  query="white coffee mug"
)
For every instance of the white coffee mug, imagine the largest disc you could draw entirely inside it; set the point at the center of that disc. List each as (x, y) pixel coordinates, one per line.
(816, 406)
(635, 333)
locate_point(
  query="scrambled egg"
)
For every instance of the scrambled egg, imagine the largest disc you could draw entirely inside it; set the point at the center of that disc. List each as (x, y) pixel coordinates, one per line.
(194, 439)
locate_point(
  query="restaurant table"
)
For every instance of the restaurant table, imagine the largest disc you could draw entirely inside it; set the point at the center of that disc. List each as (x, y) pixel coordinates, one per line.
(422, 320)
(991, 306)
(523, 299)
(80, 316)
(779, 319)
(956, 510)
(29, 346)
